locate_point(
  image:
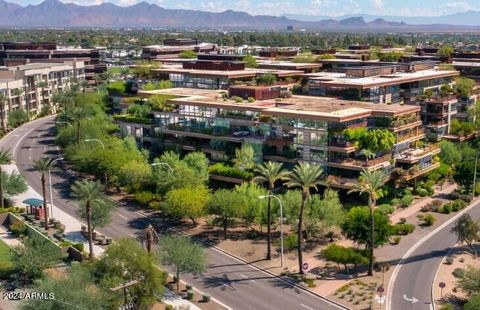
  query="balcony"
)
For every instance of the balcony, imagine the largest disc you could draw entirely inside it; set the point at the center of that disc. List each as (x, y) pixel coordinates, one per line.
(412, 156)
(412, 136)
(341, 182)
(209, 133)
(416, 171)
(356, 164)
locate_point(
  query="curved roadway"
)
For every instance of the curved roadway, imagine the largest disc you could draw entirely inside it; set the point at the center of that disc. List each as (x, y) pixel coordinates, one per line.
(232, 282)
(412, 286)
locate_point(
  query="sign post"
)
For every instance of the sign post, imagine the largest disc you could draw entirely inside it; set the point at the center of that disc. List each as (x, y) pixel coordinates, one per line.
(442, 286)
(305, 266)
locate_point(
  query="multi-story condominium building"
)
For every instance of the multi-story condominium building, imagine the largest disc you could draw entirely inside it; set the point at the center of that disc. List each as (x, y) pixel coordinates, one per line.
(217, 74)
(31, 86)
(278, 52)
(403, 82)
(18, 53)
(330, 132)
(173, 47)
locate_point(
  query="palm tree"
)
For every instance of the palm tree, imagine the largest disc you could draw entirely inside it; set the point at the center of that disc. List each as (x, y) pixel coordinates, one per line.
(89, 193)
(306, 176)
(5, 159)
(43, 165)
(3, 100)
(42, 85)
(84, 85)
(18, 92)
(270, 173)
(370, 182)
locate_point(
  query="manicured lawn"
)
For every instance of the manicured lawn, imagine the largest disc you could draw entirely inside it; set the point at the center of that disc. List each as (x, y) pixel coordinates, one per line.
(6, 263)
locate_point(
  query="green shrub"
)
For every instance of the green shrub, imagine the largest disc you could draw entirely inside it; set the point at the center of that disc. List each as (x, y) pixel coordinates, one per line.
(169, 307)
(458, 272)
(227, 171)
(449, 260)
(310, 282)
(190, 294)
(429, 219)
(446, 209)
(79, 246)
(447, 307)
(251, 99)
(395, 202)
(403, 229)
(421, 192)
(187, 55)
(396, 239)
(144, 197)
(206, 297)
(290, 242)
(406, 201)
(402, 220)
(458, 205)
(343, 255)
(6, 269)
(386, 209)
(18, 228)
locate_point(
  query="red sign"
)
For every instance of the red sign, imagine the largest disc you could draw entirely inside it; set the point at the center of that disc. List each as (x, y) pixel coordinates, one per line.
(305, 266)
(441, 284)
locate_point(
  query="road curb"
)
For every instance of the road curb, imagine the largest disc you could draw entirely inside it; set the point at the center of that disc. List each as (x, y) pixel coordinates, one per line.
(282, 278)
(271, 274)
(472, 205)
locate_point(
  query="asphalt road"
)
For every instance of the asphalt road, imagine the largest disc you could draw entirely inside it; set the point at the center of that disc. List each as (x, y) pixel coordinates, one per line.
(232, 282)
(412, 287)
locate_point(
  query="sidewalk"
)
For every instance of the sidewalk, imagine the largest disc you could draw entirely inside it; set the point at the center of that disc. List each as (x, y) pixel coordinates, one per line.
(72, 225)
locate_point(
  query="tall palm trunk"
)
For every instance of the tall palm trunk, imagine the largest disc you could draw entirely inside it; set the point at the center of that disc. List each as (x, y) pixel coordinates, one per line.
(89, 227)
(45, 208)
(2, 203)
(269, 225)
(299, 235)
(78, 132)
(372, 236)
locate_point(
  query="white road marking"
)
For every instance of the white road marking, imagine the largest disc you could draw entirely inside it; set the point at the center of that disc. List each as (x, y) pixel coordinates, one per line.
(133, 236)
(306, 307)
(20, 140)
(245, 277)
(229, 286)
(338, 306)
(123, 217)
(415, 246)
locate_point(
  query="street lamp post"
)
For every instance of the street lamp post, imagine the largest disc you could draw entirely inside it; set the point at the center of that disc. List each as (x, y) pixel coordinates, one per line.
(281, 224)
(67, 123)
(50, 184)
(163, 164)
(475, 176)
(103, 145)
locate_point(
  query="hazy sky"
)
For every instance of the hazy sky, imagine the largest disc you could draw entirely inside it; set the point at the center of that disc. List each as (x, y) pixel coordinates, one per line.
(306, 7)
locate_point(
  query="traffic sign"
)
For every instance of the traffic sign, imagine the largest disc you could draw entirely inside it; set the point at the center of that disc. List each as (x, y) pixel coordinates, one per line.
(442, 284)
(380, 289)
(305, 266)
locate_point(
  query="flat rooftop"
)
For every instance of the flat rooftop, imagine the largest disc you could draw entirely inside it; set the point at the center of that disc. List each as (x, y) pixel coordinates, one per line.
(247, 73)
(335, 79)
(303, 107)
(288, 64)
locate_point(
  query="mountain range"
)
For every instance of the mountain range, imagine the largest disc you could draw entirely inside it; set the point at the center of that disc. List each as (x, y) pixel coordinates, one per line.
(469, 18)
(56, 14)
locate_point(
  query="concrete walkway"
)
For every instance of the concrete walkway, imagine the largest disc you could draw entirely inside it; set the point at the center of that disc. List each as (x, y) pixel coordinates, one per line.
(72, 225)
(170, 298)
(10, 239)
